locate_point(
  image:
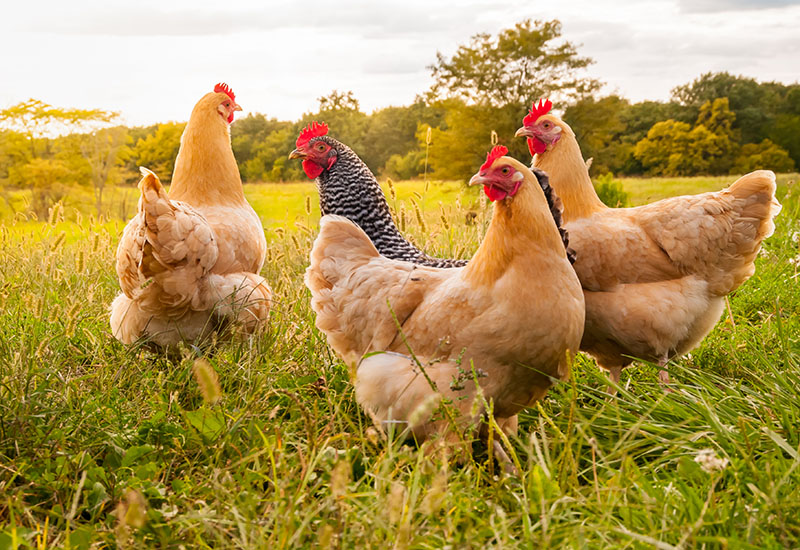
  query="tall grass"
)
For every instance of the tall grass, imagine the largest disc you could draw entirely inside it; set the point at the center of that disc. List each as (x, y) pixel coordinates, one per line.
(102, 445)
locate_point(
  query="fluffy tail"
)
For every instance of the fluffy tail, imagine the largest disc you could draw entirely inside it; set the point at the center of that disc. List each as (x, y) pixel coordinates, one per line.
(339, 250)
(340, 247)
(755, 203)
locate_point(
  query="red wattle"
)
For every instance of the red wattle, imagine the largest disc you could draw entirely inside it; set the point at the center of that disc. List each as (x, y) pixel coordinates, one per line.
(230, 117)
(494, 193)
(312, 169)
(536, 145)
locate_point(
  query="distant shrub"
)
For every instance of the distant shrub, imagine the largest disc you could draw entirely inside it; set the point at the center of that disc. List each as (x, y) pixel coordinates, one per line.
(404, 167)
(610, 191)
(763, 156)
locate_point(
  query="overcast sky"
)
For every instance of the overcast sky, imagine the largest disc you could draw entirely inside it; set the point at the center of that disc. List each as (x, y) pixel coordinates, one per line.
(151, 60)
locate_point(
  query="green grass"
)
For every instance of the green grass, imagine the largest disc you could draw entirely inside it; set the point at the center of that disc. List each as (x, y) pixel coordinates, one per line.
(104, 446)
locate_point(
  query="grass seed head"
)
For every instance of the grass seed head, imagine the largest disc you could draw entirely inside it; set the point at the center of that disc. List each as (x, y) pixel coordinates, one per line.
(392, 192)
(434, 498)
(207, 380)
(445, 221)
(423, 412)
(327, 537)
(340, 477)
(396, 502)
(131, 511)
(59, 241)
(420, 218)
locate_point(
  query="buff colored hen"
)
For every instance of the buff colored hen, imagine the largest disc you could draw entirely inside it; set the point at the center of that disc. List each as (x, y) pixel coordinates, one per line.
(188, 262)
(655, 277)
(515, 310)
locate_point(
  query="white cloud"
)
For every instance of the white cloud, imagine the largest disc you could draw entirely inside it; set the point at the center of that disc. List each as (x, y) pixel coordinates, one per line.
(152, 60)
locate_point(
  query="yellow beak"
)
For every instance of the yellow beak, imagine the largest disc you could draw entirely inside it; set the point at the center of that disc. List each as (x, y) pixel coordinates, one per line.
(297, 154)
(524, 131)
(477, 179)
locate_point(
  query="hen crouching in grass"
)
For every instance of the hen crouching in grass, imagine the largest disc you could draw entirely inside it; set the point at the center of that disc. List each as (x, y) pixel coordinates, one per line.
(188, 262)
(514, 313)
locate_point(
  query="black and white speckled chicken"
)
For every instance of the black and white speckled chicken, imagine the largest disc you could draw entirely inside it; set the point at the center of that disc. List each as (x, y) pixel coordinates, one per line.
(347, 187)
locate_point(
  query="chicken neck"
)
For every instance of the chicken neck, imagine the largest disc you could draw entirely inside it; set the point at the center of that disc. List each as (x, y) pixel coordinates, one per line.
(521, 231)
(569, 177)
(206, 172)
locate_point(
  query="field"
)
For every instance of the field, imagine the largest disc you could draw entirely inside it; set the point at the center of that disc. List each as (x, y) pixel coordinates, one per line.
(103, 446)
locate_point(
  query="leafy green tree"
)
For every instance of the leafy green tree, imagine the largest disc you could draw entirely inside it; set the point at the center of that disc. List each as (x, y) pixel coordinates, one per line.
(39, 165)
(675, 148)
(665, 147)
(408, 166)
(248, 133)
(763, 156)
(753, 104)
(391, 133)
(270, 157)
(640, 117)
(106, 151)
(522, 63)
(38, 120)
(718, 119)
(345, 120)
(458, 146)
(158, 150)
(785, 132)
(46, 180)
(600, 131)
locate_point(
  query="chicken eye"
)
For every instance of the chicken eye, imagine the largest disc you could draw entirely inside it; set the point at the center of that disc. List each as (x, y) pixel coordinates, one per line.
(320, 147)
(546, 125)
(505, 170)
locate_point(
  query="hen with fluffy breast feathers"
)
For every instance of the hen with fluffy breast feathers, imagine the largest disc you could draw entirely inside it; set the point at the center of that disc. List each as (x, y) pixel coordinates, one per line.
(188, 262)
(515, 310)
(654, 276)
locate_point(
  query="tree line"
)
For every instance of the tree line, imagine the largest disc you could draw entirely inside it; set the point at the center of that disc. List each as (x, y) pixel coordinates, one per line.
(717, 124)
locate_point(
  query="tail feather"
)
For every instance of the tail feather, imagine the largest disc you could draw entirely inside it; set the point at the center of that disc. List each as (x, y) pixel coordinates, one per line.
(339, 249)
(757, 190)
(756, 205)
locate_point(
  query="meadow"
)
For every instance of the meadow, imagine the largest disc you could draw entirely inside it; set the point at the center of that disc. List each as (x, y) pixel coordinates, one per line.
(103, 445)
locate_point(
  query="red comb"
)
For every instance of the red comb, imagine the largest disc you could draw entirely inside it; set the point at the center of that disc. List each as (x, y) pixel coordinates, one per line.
(222, 88)
(536, 111)
(315, 129)
(497, 152)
